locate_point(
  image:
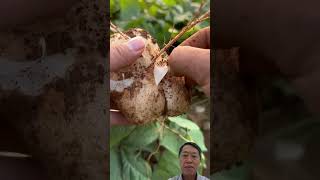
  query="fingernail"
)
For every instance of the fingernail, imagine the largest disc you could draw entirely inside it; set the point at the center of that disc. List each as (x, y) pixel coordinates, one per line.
(136, 44)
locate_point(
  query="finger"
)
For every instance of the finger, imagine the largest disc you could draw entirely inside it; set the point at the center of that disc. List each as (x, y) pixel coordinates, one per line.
(201, 39)
(125, 54)
(118, 119)
(194, 63)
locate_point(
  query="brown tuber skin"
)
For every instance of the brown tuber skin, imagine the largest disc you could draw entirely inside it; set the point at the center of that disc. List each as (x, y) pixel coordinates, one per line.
(134, 91)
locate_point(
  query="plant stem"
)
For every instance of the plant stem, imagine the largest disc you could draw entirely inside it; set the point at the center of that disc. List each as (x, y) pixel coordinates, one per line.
(190, 25)
(114, 28)
(153, 153)
(177, 133)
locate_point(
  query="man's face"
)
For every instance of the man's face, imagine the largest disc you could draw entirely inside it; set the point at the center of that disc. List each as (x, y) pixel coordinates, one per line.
(189, 160)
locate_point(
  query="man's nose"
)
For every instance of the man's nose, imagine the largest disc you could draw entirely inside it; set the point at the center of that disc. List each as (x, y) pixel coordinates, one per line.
(189, 159)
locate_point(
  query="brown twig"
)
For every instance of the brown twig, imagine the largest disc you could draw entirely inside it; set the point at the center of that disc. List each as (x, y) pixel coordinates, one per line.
(116, 29)
(190, 25)
(197, 14)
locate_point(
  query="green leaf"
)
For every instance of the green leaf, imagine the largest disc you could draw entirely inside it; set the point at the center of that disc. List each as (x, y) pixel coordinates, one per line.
(117, 133)
(170, 2)
(197, 137)
(185, 123)
(202, 165)
(149, 28)
(183, 17)
(143, 4)
(142, 136)
(115, 165)
(112, 6)
(134, 167)
(151, 147)
(153, 10)
(179, 8)
(130, 9)
(167, 167)
(171, 141)
(136, 23)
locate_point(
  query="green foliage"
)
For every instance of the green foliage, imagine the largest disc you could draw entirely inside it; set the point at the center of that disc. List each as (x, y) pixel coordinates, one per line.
(142, 136)
(171, 141)
(119, 132)
(181, 122)
(167, 166)
(162, 19)
(131, 153)
(115, 166)
(134, 166)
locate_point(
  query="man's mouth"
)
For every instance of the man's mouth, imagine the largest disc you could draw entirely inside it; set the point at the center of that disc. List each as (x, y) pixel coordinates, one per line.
(188, 167)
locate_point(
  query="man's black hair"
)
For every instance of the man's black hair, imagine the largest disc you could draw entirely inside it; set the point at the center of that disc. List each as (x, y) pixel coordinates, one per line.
(193, 145)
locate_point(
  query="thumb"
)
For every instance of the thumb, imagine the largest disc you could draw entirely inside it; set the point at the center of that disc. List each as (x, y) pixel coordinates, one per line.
(125, 54)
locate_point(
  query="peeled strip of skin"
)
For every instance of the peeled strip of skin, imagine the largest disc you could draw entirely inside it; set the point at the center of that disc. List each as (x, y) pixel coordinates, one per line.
(144, 91)
(159, 73)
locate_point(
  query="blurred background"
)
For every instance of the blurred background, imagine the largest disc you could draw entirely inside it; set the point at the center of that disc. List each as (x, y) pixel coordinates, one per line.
(163, 19)
(286, 139)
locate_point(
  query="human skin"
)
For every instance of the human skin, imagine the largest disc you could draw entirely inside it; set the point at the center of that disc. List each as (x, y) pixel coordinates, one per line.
(189, 162)
(192, 59)
(121, 56)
